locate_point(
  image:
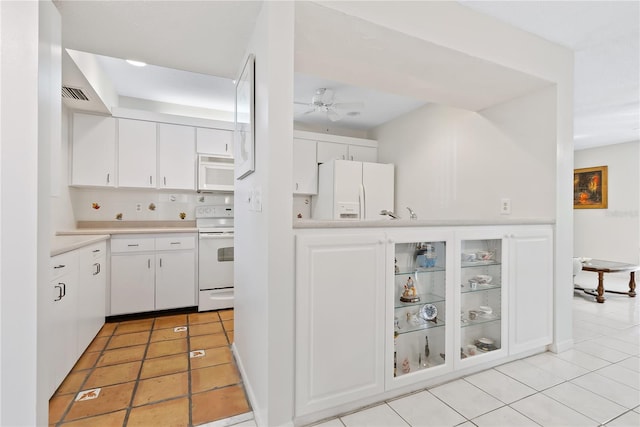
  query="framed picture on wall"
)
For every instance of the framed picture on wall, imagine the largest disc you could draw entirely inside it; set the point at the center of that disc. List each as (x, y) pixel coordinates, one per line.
(590, 188)
(244, 139)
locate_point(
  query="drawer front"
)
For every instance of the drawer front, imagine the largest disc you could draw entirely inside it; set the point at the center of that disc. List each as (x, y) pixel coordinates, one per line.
(175, 243)
(133, 244)
(97, 250)
(63, 264)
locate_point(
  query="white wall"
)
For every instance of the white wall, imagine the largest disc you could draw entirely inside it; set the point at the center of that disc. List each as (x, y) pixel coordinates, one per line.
(458, 164)
(264, 290)
(62, 217)
(29, 127)
(611, 233)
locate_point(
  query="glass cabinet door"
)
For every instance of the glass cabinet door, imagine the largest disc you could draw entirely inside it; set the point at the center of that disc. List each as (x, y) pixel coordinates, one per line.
(419, 307)
(482, 329)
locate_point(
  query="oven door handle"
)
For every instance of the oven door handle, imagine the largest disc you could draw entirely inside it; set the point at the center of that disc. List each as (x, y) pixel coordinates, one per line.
(215, 236)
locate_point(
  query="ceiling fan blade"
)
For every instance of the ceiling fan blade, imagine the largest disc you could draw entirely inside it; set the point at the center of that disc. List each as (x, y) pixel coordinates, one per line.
(301, 103)
(333, 115)
(327, 96)
(309, 111)
(351, 106)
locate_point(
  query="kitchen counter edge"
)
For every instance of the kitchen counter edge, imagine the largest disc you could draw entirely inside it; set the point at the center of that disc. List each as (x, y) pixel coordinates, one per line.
(388, 223)
(63, 244)
(132, 230)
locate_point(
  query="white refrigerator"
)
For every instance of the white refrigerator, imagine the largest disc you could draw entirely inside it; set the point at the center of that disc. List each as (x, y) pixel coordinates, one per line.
(353, 190)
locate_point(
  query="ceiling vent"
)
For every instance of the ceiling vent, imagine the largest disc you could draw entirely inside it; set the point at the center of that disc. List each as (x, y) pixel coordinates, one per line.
(74, 93)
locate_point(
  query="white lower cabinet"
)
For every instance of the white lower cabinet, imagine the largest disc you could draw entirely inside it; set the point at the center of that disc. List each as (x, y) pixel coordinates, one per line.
(152, 273)
(91, 293)
(76, 309)
(340, 319)
(63, 326)
(531, 288)
(393, 308)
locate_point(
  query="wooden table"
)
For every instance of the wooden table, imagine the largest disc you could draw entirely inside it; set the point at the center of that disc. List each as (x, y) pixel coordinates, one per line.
(601, 266)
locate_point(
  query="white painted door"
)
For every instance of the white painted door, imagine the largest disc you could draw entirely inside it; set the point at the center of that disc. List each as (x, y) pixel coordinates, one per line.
(136, 153)
(175, 279)
(214, 141)
(340, 311)
(361, 153)
(93, 150)
(91, 293)
(132, 283)
(531, 287)
(377, 182)
(176, 157)
(305, 167)
(62, 348)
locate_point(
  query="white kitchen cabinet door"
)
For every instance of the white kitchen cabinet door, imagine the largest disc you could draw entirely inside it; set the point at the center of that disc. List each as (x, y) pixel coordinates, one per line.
(328, 151)
(92, 288)
(305, 167)
(530, 288)
(176, 157)
(340, 312)
(62, 348)
(363, 153)
(93, 150)
(175, 279)
(136, 153)
(218, 142)
(132, 283)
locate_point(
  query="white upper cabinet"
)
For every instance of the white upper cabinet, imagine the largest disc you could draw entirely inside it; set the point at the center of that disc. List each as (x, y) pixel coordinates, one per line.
(136, 153)
(328, 151)
(214, 141)
(176, 157)
(305, 168)
(361, 153)
(94, 150)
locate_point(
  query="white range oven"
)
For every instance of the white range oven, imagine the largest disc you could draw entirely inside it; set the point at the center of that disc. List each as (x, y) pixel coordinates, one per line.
(215, 256)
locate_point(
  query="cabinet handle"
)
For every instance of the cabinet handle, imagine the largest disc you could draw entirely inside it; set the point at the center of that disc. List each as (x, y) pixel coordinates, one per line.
(64, 290)
(351, 158)
(164, 180)
(149, 263)
(296, 185)
(60, 266)
(59, 292)
(160, 262)
(175, 243)
(226, 147)
(134, 245)
(343, 157)
(108, 178)
(97, 268)
(96, 250)
(150, 179)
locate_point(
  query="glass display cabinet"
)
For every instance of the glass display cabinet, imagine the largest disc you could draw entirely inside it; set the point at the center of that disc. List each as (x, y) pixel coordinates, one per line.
(482, 327)
(419, 307)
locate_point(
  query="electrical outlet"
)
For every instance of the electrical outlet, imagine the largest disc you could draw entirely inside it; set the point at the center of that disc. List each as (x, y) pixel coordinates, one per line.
(138, 207)
(505, 206)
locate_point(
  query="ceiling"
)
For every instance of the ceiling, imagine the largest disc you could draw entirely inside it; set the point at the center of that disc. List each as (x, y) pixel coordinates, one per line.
(172, 35)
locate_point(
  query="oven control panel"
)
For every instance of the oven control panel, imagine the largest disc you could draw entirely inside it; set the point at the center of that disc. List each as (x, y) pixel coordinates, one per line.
(214, 211)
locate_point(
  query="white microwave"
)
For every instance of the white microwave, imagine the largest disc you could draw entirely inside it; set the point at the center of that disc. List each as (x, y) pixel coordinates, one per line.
(215, 173)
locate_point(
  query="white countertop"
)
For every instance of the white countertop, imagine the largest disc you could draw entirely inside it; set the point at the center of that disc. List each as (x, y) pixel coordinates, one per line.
(125, 230)
(383, 223)
(62, 244)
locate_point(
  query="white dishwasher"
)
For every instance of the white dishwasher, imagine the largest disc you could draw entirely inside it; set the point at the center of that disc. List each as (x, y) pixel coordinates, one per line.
(215, 256)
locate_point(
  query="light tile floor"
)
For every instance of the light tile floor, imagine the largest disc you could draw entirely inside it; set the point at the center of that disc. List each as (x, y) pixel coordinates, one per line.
(175, 370)
(597, 383)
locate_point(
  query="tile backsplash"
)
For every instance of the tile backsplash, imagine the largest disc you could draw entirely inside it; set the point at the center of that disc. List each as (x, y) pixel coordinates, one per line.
(139, 204)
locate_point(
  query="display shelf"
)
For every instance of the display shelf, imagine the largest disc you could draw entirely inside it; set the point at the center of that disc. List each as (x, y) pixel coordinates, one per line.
(469, 264)
(424, 299)
(465, 323)
(422, 327)
(409, 270)
(465, 288)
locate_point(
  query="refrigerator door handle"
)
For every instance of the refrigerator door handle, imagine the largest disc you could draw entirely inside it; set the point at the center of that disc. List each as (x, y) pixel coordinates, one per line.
(362, 197)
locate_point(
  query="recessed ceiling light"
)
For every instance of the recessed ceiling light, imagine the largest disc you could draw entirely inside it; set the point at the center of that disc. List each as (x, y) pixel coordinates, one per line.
(136, 63)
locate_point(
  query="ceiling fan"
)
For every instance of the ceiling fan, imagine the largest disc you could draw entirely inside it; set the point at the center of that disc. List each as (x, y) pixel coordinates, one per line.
(323, 102)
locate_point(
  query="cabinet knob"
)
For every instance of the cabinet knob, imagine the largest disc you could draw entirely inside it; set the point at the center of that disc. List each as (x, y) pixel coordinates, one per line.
(108, 178)
(60, 266)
